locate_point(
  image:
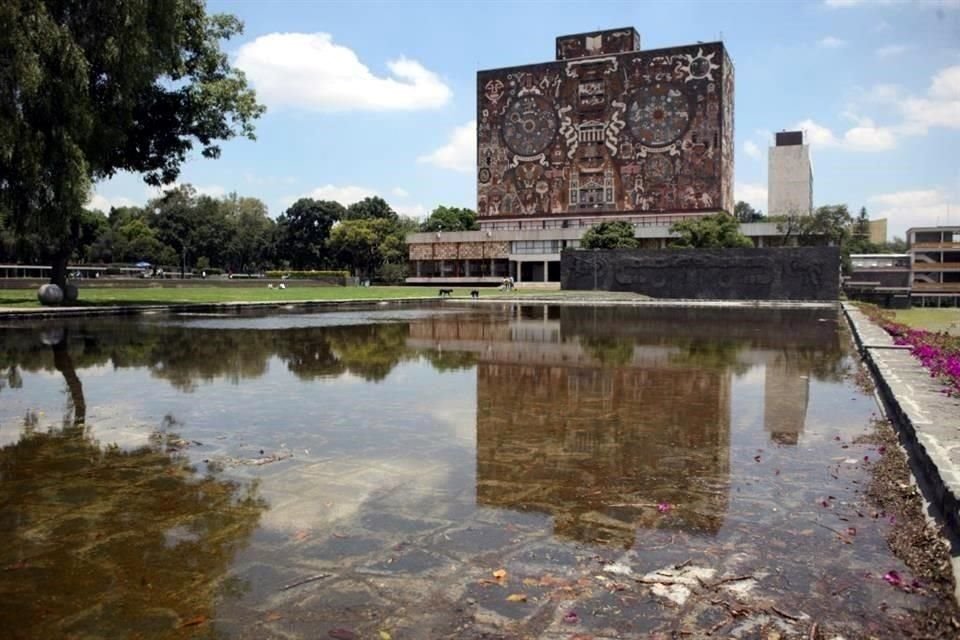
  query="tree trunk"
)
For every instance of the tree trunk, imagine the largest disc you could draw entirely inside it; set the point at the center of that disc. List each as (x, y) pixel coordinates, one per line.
(58, 262)
(64, 364)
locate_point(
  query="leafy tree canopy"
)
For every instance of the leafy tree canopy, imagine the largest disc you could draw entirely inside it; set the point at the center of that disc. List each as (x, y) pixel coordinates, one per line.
(91, 88)
(710, 232)
(370, 208)
(303, 231)
(451, 219)
(743, 212)
(609, 235)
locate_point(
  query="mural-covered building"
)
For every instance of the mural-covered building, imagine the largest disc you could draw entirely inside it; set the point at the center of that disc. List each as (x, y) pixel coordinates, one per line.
(606, 131)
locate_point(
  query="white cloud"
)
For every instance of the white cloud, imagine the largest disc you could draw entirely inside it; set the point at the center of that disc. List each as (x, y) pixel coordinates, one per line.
(831, 42)
(460, 152)
(891, 50)
(916, 208)
(309, 71)
(846, 4)
(416, 210)
(751, 149)
(940, 107)
(345, 195)
(348, 194)
(105, 203)
(817, 135)
(864, 137)
(212, 190)
(753, 194)
(882, 93)
(946, 84)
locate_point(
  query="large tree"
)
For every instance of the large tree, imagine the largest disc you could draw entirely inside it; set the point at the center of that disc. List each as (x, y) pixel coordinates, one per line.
(303, 231)
(373, 207)
(451, 219)
(251, 232)
(92, 87)
(610, 235)
(710, 232)
(357, 244)
(743, 212)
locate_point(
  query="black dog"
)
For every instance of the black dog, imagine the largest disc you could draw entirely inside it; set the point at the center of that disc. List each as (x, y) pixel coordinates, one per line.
(475, 293)
(446, 292)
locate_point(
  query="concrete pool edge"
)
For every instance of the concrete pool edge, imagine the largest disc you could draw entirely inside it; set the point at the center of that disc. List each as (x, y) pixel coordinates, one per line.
(214, 307)
(926, 418)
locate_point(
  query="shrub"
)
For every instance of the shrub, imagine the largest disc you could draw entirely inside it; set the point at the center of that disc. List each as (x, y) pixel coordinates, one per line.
(938, 352)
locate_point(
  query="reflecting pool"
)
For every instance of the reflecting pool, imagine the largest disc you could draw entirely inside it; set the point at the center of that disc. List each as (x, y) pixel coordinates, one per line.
(491, 470)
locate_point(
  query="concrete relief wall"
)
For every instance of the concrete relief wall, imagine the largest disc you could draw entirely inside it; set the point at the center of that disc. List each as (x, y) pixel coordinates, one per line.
(800, 273)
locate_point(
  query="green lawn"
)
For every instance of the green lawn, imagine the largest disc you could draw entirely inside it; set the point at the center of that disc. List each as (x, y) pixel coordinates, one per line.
(931, 319)
(23, 298)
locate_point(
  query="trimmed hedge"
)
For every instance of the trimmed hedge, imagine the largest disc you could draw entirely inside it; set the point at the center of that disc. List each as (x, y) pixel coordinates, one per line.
(308, 275)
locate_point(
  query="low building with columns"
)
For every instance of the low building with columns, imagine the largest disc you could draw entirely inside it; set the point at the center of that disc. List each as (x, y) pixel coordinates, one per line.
(529, 255)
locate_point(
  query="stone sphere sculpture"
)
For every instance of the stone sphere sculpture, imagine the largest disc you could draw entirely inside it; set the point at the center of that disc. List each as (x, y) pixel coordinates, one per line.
(50, 294)
(52, 337)
(71, 293)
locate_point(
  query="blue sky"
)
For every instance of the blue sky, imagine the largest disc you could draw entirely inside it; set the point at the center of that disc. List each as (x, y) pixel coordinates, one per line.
(379, 97)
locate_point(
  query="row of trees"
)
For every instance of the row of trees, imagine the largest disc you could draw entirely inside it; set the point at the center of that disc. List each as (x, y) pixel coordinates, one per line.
(192, 231)
(832, 224)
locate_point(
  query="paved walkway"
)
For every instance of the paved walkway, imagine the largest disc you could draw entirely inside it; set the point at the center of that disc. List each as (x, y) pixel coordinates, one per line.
(928, 419)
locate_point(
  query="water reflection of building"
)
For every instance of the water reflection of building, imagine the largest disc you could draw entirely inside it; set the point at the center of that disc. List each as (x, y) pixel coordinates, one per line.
(594, 431)
(786, 391)
(596, 415)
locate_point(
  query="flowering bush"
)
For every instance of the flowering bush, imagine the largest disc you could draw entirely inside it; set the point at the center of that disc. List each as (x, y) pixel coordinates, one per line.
(938, 352)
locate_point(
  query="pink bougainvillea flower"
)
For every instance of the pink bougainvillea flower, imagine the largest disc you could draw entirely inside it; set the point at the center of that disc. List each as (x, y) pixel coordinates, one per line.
(571, 617)
(893, 578)
(663, 507)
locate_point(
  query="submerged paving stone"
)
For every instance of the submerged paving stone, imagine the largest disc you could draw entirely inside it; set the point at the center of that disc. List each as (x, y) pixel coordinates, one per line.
(408, 562)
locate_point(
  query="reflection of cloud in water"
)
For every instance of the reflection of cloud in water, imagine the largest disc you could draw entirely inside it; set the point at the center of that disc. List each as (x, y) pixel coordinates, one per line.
(304, 320)
(317, 498)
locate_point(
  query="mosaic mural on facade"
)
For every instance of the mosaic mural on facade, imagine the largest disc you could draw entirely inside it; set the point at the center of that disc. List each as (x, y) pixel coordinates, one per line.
(644, 131)
(458, 250)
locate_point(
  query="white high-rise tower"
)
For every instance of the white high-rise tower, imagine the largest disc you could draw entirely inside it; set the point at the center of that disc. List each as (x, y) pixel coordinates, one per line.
(790, 176)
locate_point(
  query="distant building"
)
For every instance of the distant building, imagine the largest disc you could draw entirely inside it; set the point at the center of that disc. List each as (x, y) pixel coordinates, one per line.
(881, 278)
(789, 175)
(935, 264)
(878, 231)
(604, 132)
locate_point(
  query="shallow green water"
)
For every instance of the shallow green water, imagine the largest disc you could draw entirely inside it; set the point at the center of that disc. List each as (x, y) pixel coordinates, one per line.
(355, 473)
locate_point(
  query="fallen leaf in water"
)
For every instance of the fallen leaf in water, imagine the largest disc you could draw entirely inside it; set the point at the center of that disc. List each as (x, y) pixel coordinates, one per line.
(517, 597)
(301, 535)
(851, 531)
(384, 635)
(192, 622)
(342, 634)
(500, 574)
(273, 615)
(529, 582)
